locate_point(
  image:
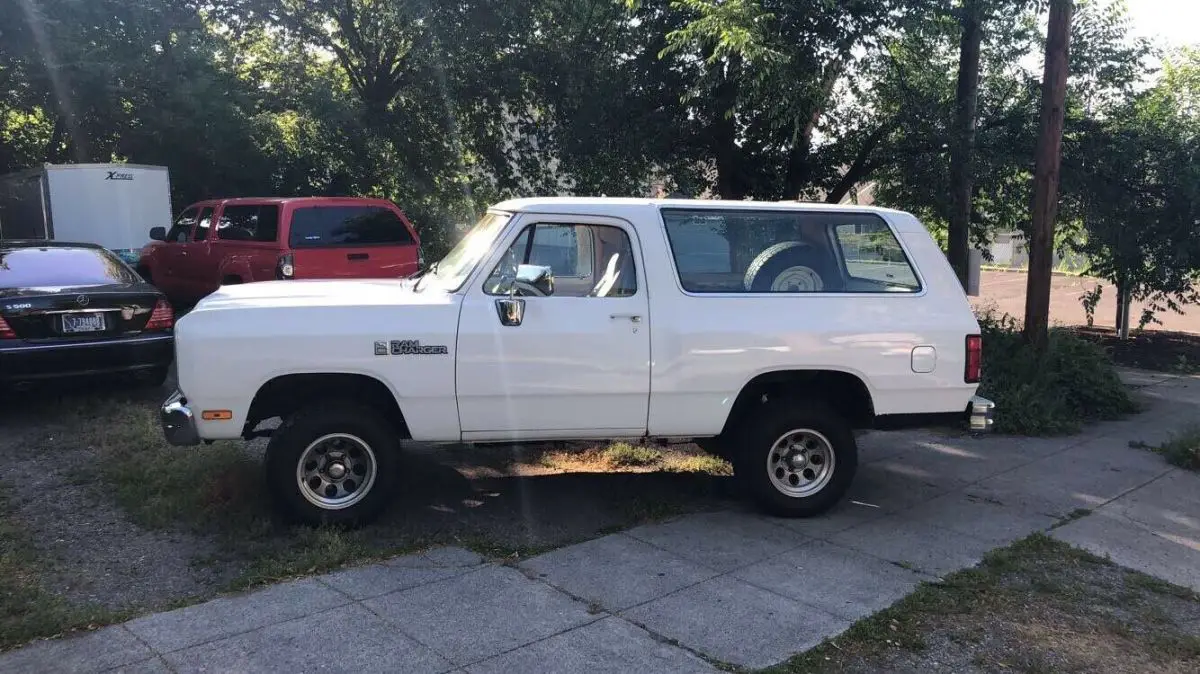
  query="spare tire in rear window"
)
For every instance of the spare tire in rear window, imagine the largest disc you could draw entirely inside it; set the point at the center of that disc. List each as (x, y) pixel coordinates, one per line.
(322, 226)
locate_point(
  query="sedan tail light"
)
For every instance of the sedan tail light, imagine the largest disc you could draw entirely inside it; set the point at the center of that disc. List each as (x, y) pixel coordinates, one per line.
(163, 316)
(974, 370)
(5, 331)
(285, 268)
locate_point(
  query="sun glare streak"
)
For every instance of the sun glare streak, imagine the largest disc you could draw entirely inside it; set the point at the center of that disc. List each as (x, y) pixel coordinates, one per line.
(62, 93)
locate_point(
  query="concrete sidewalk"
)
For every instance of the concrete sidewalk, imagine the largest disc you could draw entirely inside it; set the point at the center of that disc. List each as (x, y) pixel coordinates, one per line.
(734, 587)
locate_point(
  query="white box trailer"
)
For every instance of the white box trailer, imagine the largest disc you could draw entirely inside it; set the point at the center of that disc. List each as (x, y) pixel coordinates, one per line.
(113, 205)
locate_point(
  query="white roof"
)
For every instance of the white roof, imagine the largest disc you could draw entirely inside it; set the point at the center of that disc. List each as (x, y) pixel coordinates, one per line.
(601, 204)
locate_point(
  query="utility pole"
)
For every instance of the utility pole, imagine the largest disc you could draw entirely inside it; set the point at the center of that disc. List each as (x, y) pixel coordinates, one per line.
(1046, 174)
(962, 149)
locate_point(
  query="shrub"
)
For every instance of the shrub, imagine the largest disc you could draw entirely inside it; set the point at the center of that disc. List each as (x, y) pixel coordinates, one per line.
(1053, 392)
(1183, 449)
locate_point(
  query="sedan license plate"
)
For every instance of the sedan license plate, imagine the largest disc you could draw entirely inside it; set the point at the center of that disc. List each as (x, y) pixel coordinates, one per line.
(83, 323)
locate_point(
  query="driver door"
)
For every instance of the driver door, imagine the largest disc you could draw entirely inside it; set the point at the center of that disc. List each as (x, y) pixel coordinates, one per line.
(577, 362)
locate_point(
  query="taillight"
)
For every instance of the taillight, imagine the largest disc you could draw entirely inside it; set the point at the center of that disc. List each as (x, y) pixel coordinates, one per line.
(974, 370)
(162, 318)
(5, 331)
(285, 268)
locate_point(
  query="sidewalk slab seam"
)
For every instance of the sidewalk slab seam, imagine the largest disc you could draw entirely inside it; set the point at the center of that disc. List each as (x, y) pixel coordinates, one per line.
(518, 610)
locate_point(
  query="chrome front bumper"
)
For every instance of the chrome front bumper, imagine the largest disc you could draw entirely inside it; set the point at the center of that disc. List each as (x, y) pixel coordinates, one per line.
(178, 423)
(981, 414)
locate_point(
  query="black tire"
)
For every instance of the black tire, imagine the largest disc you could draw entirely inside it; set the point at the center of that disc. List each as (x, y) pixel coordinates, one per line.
(293, 438)
(773, 261)
(715, 446)
(757, 436)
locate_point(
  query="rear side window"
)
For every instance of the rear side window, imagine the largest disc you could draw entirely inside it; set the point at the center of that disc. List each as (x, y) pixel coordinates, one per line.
(61, 267)
(316, 226)
(249, 223)
(761, 251)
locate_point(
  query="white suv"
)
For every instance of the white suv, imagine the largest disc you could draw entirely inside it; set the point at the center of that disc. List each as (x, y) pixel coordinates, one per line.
(768, 333)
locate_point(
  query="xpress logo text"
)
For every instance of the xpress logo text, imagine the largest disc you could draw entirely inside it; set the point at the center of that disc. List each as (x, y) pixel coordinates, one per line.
(118, 175)
(408, 347)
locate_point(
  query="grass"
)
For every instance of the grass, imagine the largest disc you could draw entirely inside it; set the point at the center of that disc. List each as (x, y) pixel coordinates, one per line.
(1052, 392)
(1038, 605)
(1183, 449)
(28, 610)
(622, 456)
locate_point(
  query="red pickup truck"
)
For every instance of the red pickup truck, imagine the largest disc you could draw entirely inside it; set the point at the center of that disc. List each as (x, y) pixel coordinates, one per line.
(226, 241)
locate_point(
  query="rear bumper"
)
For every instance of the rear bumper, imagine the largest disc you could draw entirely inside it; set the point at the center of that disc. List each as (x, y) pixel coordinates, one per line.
(29, 361)
(178, 422)
(978, 417)
(981, 415)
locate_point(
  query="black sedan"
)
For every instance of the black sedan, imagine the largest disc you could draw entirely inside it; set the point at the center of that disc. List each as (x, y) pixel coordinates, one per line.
(69, 309)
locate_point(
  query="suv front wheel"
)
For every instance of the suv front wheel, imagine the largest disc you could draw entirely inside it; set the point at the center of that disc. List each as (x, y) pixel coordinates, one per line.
(797, 458)
(333, 464)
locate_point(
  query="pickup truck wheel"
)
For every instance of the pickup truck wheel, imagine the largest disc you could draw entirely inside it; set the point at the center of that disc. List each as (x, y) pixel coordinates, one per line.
(333, 464)
(797, 458)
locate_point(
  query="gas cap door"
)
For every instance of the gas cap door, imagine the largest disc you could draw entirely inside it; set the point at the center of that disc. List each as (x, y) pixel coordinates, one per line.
(924, 359)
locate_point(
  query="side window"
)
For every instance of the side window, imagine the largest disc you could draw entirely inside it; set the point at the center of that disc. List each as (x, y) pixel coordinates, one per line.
(873, 255)
(181, 229)
(568, 261)
(316, 226)
(249, 223)
(767, 251)
(202, 225)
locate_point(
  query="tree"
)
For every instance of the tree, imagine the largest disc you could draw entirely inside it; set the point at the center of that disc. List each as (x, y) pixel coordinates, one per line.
(1046, 178)
(963, 146)
(1134, 175)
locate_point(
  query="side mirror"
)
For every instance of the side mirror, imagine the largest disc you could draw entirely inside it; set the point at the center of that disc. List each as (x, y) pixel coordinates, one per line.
(158, 233)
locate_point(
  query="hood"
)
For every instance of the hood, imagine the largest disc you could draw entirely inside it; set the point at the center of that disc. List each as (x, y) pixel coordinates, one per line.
(320, 293)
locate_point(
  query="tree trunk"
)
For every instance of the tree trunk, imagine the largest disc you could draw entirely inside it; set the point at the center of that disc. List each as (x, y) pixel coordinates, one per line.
(1122, 322)
(731, 183)
(1045, 174)
(963, 146)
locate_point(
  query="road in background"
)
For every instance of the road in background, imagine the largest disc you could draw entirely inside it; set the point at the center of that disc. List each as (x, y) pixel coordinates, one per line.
(1006, 290)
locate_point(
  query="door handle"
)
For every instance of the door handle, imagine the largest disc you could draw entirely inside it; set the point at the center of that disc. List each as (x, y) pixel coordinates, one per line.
(357, 256)
(629, 317)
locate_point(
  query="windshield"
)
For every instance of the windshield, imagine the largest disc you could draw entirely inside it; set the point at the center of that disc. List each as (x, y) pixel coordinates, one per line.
(451, 272)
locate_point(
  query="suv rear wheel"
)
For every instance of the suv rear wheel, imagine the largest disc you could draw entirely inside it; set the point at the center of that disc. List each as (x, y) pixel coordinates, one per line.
(333, 464)
(796, 458)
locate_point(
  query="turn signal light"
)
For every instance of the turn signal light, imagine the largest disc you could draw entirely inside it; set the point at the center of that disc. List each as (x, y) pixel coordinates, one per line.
(163, 316)
(5, 331)
(216, 415)
(974, 359)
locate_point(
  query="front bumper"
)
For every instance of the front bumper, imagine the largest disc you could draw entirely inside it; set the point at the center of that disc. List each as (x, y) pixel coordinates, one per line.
(178, 422)
(981, 415)
(22, 360)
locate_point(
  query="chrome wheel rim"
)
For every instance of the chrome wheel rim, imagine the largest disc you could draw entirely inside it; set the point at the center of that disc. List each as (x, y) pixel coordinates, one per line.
(798, 279)
(336, 471)
(801, 463)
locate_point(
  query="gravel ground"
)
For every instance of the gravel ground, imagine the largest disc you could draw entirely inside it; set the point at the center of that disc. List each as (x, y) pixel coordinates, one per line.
(91, 550)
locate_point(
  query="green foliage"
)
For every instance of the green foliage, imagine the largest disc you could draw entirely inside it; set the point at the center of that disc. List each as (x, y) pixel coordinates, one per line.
(1183, 449)
(1134, 176)
(1051, 392)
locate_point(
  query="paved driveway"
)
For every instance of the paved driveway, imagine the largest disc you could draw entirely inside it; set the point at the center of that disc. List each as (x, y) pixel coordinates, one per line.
(735, 587)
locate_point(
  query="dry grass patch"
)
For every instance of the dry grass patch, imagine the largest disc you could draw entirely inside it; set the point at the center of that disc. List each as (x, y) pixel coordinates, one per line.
(1036, 606)
(625, 457)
